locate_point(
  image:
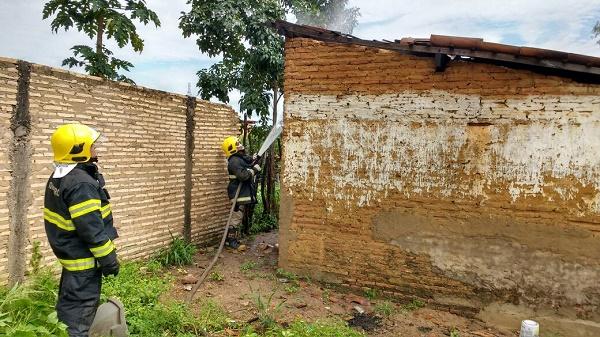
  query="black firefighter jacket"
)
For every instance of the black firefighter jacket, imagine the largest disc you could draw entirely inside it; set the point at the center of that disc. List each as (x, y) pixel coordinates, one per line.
(240, 171)
(78, 219)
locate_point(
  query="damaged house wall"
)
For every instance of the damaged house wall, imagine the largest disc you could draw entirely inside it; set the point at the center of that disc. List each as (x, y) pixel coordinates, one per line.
(476, 189)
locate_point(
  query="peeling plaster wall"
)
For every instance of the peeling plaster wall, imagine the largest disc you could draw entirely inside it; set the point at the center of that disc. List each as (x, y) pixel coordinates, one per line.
(472, 189)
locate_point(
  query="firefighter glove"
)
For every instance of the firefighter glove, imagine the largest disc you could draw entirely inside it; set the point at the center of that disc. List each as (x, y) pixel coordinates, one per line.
(109, 265)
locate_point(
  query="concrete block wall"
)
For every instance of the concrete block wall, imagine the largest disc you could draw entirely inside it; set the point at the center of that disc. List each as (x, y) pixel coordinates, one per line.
(476, 189)
(143, 159)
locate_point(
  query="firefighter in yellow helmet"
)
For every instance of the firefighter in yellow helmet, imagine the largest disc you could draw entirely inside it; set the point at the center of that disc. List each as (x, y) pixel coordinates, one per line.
(79, 225)
(242, 170)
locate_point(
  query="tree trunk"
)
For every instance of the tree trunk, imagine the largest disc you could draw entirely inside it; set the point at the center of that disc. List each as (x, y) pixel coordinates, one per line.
(245, 138)
(100, 22)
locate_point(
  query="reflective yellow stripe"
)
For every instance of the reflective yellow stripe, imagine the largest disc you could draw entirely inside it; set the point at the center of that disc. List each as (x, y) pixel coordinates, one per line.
(58, 220)
(103, 250)
(244, 199)
(231, 176)
(105, 210)
(85, 207)
(79, 264)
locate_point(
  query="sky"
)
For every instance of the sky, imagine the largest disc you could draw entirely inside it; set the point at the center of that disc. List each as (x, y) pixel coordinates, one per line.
(169, 62)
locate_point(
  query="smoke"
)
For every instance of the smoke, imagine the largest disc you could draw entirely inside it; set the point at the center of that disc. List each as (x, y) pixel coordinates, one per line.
(332, 15)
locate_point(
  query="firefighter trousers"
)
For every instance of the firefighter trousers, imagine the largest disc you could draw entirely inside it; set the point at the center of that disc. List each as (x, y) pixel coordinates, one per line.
(78, 299)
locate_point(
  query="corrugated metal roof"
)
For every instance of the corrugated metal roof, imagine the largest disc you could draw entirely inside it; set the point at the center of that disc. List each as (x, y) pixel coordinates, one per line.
(562, 63)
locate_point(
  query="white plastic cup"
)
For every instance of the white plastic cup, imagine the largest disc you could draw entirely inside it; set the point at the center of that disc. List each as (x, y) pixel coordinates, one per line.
(530, 328)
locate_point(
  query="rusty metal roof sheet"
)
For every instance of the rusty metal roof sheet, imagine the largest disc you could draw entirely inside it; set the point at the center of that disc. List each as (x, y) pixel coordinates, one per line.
(563, 63)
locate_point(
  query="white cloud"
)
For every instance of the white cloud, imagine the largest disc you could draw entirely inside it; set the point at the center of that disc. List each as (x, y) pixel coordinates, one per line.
(554, 24)
(169, 61)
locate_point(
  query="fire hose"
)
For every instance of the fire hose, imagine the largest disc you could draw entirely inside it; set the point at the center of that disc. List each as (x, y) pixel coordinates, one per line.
(275, 132)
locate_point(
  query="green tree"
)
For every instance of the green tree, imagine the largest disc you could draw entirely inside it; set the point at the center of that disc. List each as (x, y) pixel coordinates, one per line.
(252, 55)
(98, 19)
(596, 30)
(331, 14)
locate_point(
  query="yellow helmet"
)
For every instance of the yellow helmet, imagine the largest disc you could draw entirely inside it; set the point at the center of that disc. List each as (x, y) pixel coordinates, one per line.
(230, 145)
(72, 143)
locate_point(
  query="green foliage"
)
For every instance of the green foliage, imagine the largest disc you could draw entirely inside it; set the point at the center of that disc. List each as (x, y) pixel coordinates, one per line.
(248, 265)
(385, 308)
(282, 273)
(371, 294)
(326, 296)
(97, 18)
(179, 253)
(292, 288)
(239, 31)
(454, 333)
(303, 329)
(215, 276)
(28, 309)
(146, 316)
(262, 221)
(596, 30)
(413, 305)
(212, 317)
(36, 258)
(98, 64)
(267, 309)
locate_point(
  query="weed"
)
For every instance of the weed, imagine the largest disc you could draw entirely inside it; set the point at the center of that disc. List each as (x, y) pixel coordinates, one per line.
(215, 276)
(36, 258)
(267, 311)
(248, 265)
(454, 333)
(303, 329)
(413, 305)
(292, 289)
(385, 308)
(28, 309)
(179, 253)
(261, 221)
(282, 273)
(140, 292)
(212, 317)
(371, 294)
(325, 296)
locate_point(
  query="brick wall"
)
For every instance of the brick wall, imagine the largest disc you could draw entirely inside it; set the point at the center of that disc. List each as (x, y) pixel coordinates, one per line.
(476, 189)
(8, 99)
(143, 160)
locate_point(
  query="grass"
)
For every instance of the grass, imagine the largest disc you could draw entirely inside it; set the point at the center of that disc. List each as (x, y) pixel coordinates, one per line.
(385, 308)
(292, 288)
(146, 315)
(216, 276)
(179, 253)
(262, 222)
(282, 273)
(413, 305)
(248, 266)
(371, 294)
(212, 316)
(326, 296)
(28, 309)
(304, 329)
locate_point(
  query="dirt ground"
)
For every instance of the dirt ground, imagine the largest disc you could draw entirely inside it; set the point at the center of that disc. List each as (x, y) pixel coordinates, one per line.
(240, 276)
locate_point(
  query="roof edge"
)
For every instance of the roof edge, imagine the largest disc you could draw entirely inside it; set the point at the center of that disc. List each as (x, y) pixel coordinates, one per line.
(562, 63)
